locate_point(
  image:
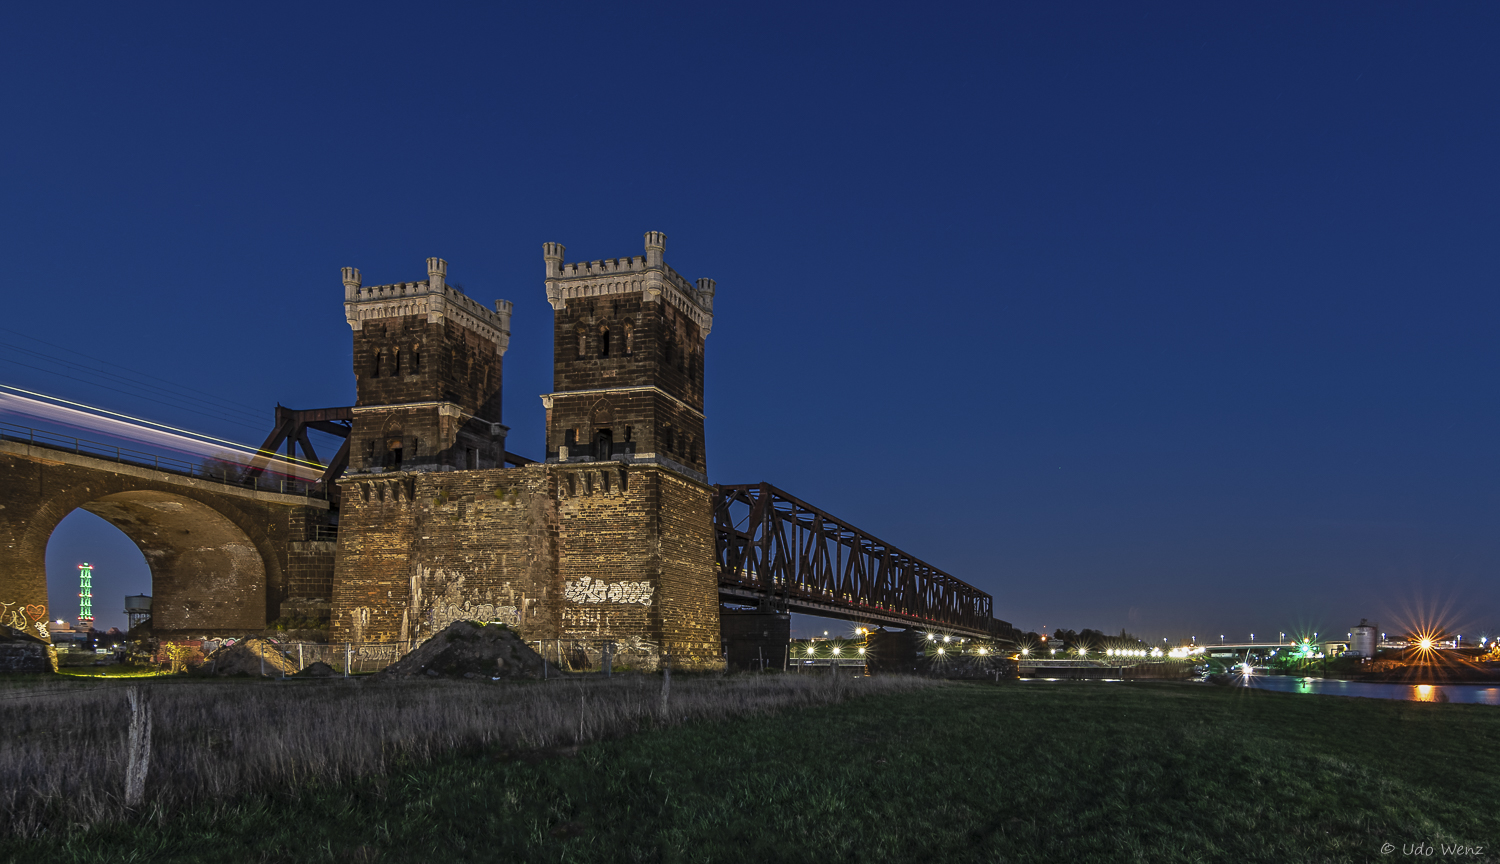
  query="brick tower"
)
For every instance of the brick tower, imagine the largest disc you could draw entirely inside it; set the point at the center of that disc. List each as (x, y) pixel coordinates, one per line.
(427, 364)
(608, 545)
(627, 379)
(625, 440)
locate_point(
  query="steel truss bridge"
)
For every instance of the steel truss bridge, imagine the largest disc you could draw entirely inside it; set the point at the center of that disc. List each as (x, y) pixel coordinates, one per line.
(771, 547)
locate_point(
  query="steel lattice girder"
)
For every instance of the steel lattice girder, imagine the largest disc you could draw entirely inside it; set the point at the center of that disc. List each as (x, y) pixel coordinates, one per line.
(783, 547)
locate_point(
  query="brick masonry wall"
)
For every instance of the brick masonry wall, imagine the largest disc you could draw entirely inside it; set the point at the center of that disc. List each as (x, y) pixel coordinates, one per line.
(574, 556)
(666, 351)
(425, 362)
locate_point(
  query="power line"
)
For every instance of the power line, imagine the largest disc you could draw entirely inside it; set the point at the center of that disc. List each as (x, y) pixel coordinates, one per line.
(237, 422)
(245, 414)
(109, 364)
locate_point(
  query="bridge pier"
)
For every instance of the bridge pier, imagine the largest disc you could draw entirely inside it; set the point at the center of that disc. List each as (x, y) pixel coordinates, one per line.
(755, 638)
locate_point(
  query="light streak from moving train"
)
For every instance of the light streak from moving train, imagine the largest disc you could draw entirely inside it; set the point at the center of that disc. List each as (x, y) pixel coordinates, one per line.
(148, 433)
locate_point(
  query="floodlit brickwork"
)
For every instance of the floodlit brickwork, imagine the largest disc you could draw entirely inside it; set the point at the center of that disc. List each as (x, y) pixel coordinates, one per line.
(628, 340)
(427, 372)
(606, 546)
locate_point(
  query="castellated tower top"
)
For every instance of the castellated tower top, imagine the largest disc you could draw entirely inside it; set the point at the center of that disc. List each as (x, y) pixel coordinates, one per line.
(434, 299)
(648, 275)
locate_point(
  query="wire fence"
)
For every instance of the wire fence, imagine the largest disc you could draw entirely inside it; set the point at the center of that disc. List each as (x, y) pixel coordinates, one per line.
(281, 655)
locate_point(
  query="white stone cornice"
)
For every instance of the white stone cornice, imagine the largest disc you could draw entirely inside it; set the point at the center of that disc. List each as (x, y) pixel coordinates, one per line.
(420, 298)
(606, 278)
(547, 398)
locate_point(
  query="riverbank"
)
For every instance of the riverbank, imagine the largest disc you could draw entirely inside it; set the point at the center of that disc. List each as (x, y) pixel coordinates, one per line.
(1020, 772)
(1433, 673)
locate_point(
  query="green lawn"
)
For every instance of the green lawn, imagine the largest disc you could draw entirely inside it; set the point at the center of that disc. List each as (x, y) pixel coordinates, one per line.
(1045, 772)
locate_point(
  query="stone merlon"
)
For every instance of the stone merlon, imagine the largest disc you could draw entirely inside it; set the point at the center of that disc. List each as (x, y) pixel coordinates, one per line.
(434, 298)
(648, 275)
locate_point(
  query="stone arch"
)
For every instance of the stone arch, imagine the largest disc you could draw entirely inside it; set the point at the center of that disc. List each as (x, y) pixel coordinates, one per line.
(212, 565)
(602, 414)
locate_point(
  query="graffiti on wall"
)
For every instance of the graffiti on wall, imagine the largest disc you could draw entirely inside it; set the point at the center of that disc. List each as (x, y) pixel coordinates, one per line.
(25, 617)
(438, 598)
(588, 590)
(442, 614)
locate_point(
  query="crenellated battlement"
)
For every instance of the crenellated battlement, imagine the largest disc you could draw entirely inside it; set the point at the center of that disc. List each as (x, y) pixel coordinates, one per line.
(647, 275)
(433, 298)
(584, 270)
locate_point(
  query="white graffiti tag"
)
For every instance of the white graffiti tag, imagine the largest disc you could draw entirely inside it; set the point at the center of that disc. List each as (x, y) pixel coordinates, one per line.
(588, 590)
(442, 614)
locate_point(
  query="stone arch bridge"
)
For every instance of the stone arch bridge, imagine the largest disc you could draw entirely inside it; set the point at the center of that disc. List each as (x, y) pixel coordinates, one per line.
(224, 558)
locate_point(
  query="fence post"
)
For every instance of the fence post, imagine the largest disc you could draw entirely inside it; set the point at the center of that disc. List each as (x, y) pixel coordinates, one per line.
(138, 745)
(301, 663)
(666, 681)
(348, 657)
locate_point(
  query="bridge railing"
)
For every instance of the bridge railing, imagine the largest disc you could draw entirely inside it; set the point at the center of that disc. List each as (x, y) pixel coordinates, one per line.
(774, 544)
(205, 470)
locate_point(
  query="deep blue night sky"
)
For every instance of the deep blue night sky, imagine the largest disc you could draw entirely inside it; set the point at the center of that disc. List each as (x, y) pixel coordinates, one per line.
(1157, 316)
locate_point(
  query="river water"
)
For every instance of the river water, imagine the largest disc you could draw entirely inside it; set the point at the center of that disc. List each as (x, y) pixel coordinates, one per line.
(1483, 694)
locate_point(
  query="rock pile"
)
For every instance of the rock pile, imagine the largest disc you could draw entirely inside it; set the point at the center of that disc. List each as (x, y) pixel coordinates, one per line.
(466, 649)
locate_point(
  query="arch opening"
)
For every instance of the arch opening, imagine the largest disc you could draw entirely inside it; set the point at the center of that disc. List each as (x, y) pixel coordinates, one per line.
(120, 570)
(203, 572)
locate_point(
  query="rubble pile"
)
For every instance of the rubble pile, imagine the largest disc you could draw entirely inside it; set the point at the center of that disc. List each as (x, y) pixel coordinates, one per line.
(466, 649)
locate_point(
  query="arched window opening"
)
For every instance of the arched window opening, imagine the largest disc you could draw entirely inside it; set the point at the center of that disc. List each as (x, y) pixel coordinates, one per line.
(604, 443)
(628, 431)
(603, 341)
(396, 363)
(393, 453)
(379, 357)
(416, 360)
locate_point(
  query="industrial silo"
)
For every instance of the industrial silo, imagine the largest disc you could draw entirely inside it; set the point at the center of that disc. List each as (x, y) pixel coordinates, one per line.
(1363, 638)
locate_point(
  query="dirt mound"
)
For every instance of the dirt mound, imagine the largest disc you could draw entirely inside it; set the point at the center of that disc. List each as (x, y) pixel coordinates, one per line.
(468, 650)
(318, 669)
(244, 658)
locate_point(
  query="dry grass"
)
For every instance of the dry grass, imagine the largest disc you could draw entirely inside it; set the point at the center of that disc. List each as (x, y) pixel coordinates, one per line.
(63, 755)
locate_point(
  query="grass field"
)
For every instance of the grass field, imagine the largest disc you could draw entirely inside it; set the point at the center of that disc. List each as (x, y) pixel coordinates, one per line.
(1060, 772)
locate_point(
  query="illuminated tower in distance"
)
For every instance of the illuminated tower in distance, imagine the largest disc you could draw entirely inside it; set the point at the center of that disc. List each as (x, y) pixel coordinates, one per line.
(85, 597)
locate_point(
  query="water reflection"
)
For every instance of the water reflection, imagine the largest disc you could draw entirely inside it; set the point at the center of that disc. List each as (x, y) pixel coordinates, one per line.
(1482, 694)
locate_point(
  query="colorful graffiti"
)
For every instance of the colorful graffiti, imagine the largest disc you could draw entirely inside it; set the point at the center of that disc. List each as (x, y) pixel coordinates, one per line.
(25, 617)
